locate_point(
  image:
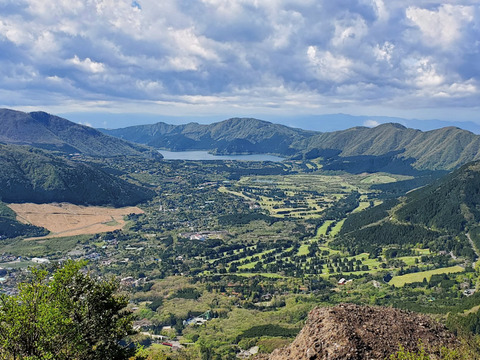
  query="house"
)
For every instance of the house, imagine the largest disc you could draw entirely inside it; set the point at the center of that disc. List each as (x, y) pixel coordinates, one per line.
(245, 354)
(127, 281)
(342, 281)
(197, 321)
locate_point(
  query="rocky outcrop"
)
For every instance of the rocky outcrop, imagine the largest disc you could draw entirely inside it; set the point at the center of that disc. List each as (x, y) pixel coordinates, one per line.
(354, 332)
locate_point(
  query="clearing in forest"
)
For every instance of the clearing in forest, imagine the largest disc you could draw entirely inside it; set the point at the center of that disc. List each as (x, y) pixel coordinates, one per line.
(63, 219)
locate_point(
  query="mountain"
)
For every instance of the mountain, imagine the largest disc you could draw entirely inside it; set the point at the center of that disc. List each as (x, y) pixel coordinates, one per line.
(46, 131)
(437, 216)
(34, 175)
(387, 147)
(356, 332)
(237, 135)
(440, 149)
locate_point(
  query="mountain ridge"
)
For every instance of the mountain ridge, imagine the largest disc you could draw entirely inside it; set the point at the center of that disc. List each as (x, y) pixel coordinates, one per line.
(46, 131)
(440, 149)
(235, 135)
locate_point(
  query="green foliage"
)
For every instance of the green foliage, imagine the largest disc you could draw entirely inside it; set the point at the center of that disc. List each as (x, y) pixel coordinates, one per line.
(441, 354)
(71, 316)
(386, 233)
(240, 219)
(450, 204)
(342, 207)
(32, 175)
(155, 304)
(269, 330)
(360, 219)
(464, 324)
(187, 293)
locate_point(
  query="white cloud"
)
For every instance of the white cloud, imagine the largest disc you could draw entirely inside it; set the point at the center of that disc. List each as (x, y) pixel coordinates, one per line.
(381, 10)
(349, 32)
(327, 66)
(88, 65)
(384, 52)
(442, 26)
(272, 54)
(14, 33)
(371, 123)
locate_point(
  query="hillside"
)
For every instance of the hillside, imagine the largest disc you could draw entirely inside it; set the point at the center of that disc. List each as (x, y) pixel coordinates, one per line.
(238, 135)
(355, 332)
(444, 148)
(10, 227)
(34, 175)
(388, 147)
(437, 216)
(50, 132)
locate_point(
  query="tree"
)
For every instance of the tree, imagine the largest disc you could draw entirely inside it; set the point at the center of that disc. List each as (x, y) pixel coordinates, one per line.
(70, 315)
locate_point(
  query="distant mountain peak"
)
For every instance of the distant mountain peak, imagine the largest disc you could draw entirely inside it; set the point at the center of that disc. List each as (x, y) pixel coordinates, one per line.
(392, 125)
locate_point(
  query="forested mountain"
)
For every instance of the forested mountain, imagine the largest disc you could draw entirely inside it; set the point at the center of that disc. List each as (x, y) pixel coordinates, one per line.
(46, 131)
(437, 216)
(238, 135)
(387, 147)
(444, 148)
(34, 175)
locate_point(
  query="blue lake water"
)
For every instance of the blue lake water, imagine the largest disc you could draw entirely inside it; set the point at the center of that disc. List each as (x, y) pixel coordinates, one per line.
(204, 155)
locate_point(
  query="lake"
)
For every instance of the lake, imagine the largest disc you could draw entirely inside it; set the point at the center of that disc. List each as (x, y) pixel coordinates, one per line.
(204, 155)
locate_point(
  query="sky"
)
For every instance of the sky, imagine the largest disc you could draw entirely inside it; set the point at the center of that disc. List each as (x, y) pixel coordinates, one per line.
(116, 62)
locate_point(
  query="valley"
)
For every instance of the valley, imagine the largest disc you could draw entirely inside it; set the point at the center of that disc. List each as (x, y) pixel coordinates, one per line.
(218, 257)
(245, 250)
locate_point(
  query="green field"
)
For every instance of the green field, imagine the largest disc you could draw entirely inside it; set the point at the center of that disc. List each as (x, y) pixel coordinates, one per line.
(337, 227)
(399, 281)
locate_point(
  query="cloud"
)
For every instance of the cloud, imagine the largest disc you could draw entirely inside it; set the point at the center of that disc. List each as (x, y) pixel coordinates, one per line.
(234, 55)
(88, 65)
(441, 26)
(371, 123)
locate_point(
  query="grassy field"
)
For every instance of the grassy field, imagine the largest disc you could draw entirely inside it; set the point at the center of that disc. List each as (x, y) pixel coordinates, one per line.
(399, 281)
(322, 230)
(71, 220)
(336, 228)
(305, 196)
(302, 250)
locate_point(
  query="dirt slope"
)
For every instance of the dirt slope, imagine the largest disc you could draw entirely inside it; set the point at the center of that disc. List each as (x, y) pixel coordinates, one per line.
(353, 332)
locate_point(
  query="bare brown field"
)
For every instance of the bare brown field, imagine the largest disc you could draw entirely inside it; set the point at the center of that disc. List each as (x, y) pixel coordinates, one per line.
(63, 219)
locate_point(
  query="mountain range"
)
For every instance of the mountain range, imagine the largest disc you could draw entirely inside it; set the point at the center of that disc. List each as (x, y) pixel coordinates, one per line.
(237, 135)
(387, 147)
(50, 132)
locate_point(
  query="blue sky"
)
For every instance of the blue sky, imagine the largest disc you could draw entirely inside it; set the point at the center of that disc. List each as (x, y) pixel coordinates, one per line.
(214, 59)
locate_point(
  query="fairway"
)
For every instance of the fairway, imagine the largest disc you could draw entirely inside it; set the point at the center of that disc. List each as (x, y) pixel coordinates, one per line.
(399, 281)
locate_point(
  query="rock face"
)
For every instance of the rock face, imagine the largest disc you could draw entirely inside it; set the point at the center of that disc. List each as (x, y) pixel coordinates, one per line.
(353, 332)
